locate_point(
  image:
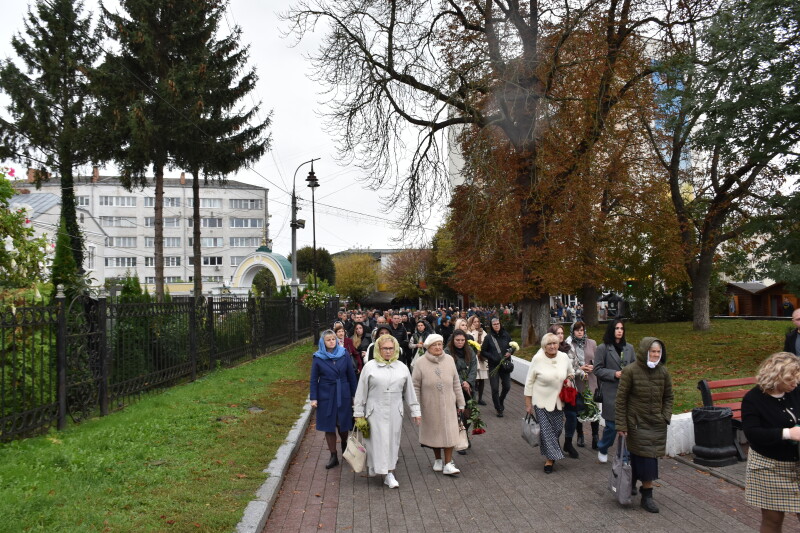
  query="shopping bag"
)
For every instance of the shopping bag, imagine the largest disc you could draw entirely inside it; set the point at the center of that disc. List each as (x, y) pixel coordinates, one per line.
(531, 430)
(463, 438)
(356, 452)
(620, 481)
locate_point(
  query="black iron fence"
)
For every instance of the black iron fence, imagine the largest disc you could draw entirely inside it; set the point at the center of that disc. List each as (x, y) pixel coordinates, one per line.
(92, 355)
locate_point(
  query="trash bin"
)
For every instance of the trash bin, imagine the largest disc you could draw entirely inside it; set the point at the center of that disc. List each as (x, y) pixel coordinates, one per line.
(713, 436)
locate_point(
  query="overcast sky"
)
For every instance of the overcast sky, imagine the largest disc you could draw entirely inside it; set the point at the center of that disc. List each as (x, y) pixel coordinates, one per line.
(297, 131)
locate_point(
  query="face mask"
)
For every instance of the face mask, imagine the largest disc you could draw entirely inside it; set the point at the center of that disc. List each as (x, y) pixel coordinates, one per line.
(653, 364)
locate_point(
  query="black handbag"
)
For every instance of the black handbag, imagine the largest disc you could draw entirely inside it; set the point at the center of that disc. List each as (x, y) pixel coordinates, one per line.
(598, 394)
(506, 364)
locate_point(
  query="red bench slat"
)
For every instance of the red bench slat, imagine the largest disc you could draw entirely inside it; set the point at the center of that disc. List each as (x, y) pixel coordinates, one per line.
(721, 383)
(729, 395)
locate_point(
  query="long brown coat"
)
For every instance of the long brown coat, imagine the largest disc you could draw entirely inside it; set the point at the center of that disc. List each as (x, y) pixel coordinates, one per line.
(439, 393)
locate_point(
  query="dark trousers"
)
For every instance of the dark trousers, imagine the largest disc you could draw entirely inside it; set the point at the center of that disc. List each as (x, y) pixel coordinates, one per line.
(499, 397)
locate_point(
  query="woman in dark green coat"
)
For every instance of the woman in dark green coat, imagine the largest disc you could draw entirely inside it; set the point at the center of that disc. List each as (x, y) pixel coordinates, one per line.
(643, 410)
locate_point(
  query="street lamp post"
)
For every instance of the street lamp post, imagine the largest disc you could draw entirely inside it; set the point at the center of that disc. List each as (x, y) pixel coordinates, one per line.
(313, 183)
(295, 224)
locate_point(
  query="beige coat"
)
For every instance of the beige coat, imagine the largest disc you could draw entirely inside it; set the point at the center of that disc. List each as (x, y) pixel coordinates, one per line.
(439, 393)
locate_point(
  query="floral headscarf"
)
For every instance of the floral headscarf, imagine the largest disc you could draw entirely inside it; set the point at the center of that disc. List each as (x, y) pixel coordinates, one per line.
(376, 350)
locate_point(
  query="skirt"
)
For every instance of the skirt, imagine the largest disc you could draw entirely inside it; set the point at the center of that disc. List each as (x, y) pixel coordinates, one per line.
(483, 369)
(644, 468)
(551, 422)
(772, 484)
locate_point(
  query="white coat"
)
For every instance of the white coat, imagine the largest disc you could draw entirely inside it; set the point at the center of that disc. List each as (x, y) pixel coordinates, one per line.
(379, 397)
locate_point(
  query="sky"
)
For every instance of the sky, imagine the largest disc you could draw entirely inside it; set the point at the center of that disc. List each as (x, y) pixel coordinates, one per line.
(352, 215)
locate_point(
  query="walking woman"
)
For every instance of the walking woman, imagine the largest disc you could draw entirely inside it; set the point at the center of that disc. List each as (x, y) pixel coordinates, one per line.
(333, 385)
(441, 397)
(417, 341)
(570, 411)
(771, 422)
(609, 360)
(581, 353)
(495, 348)
(384, 383)
(643, 410)
(546, 374)
(478, 334)
(467, 368)
(347, 344)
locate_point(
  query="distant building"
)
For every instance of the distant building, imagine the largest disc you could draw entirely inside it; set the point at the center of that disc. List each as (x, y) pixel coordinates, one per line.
(758, 299)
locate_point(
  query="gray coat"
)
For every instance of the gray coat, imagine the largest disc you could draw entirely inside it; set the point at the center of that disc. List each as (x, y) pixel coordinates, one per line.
(606, 364)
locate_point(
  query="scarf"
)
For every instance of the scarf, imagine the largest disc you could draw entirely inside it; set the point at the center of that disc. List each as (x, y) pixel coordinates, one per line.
(323, 353)
(618, 346)
(378, 356)
(580, 343)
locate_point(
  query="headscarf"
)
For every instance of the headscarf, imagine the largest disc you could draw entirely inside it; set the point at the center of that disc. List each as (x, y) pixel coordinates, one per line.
(376, 350)
(323, 353)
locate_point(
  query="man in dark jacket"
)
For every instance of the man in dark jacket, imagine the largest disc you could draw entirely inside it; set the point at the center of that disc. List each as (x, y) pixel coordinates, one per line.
(445, 329)
(399, 332)
(792, 343)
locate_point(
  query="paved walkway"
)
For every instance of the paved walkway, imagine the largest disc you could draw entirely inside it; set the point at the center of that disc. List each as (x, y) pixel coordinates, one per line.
(502, 487)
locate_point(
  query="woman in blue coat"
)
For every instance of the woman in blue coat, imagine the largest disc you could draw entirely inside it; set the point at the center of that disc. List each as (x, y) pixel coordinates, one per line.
(333, 386)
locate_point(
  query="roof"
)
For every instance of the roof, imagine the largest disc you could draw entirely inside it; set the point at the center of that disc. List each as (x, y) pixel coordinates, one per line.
(39, 202)
(374, 252)
(168, 182)
(749, 287)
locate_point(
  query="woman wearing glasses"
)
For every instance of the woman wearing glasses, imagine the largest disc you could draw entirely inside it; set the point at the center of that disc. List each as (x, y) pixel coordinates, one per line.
(383, 385)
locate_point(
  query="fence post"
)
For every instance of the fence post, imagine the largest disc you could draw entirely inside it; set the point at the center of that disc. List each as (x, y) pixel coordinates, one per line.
(61, 357)
(254, 321)
(212, 353)
(293, 318)
(193, 335)
(102, 352)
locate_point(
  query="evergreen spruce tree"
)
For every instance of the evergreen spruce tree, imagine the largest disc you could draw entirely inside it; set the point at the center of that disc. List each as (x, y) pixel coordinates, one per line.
(50, 100)
(65, 270)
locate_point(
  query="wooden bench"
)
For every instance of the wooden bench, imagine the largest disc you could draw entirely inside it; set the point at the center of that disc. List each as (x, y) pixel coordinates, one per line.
(710, 398)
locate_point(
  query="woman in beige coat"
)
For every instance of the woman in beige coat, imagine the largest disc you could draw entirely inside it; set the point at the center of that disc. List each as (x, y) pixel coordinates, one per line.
(438, 390)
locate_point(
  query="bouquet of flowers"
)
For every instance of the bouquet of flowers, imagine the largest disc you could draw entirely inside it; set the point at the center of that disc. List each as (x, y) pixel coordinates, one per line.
(314, 299)
(475, 345)
(512, 348)
(590, 411)
(362, 424)
(478, 425)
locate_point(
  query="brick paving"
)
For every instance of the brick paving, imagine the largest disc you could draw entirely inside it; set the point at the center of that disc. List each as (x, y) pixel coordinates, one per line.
(502, 487)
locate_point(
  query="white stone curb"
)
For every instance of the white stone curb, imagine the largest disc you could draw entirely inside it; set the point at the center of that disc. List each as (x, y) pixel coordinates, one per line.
(680, 432)
(257, 511)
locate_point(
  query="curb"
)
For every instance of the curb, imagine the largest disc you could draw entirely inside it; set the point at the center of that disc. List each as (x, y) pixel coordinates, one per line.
(258, 510)
(712, 471)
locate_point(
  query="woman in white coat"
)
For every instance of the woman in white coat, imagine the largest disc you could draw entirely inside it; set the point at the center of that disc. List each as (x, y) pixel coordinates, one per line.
(383, 385)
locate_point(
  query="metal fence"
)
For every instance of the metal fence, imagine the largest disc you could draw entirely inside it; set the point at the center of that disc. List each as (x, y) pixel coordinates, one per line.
(91, 355)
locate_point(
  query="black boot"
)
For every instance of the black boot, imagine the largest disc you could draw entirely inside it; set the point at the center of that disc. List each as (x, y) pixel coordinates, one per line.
(344, 446)
(570, 449)
(333, 462)
(648, 504)
(579, 429)
(595, 431)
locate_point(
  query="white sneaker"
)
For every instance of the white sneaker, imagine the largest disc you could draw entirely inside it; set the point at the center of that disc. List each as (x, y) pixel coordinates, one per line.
(437, 465)
(390, 481)
(602, 457)
(450, 469)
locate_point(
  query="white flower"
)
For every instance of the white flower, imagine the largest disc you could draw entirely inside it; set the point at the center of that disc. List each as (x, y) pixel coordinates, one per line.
(9, 244)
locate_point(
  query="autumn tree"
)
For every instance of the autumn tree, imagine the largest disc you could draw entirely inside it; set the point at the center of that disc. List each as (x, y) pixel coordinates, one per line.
(406, 273)
(356, 276)
(491, 65)
(305, 264)
(729, 129)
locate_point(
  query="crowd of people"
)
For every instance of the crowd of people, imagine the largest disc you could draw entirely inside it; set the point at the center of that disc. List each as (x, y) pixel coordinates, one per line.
(369, 366)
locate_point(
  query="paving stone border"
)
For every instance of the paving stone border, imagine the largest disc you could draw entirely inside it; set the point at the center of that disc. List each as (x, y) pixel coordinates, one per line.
(258, 510)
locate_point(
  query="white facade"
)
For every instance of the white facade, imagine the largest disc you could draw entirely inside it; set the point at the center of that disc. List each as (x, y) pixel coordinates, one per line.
(119, 232)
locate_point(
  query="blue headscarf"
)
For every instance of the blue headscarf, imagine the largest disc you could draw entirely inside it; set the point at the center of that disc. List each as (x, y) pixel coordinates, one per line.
(323, 352)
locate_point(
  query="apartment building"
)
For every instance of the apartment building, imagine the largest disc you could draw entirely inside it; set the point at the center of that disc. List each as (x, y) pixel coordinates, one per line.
(119, 226)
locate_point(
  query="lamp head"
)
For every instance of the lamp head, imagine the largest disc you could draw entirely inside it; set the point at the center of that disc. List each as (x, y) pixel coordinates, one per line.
(311, 180)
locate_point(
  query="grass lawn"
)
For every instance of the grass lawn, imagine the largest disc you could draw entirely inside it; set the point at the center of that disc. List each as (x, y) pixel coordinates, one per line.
(732, 348)
(185, 459)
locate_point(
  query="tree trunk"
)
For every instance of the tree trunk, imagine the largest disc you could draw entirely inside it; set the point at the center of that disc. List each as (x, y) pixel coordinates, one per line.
(69, 212)
(535, 319)
(196, 252)
(588, 296)
(701, 286)
(159, 232)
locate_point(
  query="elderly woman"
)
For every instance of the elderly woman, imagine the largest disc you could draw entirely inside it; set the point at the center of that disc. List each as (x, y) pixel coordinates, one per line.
(333, 385)
(771, 422)
(384, 383)
(609, 360)
(581, 354)
(570, 411)
(439, 391)
(643, 410)
(546, 374)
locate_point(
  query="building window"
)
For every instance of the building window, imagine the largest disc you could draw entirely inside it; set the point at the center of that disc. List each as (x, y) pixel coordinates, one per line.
(118, 222)
(208, 242)
(207, 223)
(236, 260)
(212, 279)
(168, 201)
(120, 262)
(169, 242)
(89, 257)
(167, 279)
(82, 201)
(121, 242)
(118, 201)
(208, 261)
(247, 203)
(169, 261)
(206, 203)
(169, 222)
(245, 242)
(247, 222)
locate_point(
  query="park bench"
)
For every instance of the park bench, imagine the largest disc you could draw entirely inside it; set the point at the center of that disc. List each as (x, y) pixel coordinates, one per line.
(707, 389)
